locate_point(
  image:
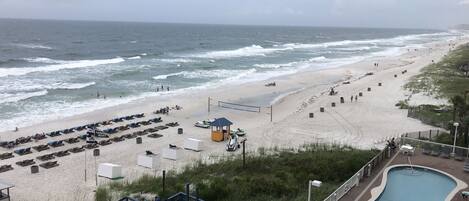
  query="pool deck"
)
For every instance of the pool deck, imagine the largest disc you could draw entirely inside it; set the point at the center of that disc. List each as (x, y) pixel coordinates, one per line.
(363, 191)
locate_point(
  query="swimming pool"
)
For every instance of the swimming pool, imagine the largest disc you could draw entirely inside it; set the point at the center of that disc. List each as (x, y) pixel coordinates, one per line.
(402, 183)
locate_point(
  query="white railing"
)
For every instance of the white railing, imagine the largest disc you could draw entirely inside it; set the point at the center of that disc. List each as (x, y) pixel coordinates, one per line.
(355, 179)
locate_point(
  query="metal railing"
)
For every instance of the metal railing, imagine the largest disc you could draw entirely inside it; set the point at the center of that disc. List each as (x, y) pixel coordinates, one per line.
(365, 171)
(429, 134)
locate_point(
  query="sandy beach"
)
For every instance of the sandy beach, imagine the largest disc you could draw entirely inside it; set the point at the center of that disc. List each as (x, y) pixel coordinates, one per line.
(364, 123)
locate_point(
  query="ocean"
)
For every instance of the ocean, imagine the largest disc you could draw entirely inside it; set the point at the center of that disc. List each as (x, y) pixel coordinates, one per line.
(53, 69)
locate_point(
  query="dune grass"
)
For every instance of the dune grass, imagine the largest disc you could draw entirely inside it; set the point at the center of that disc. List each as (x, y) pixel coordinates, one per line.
(270, 174)
(443, 79)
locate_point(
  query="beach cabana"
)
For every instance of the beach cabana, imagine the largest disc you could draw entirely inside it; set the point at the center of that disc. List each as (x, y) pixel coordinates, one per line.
(220, 129)
(5, 191)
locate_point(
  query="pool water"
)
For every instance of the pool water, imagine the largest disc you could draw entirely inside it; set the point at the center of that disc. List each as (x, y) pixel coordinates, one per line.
(417, 184)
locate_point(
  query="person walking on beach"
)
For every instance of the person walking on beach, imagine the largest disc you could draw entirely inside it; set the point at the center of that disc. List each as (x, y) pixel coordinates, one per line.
(167, 88)
(351, 98)
(356, 98)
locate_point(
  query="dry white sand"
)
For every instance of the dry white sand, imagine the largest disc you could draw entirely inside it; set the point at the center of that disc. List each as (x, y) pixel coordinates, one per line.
(361, 123)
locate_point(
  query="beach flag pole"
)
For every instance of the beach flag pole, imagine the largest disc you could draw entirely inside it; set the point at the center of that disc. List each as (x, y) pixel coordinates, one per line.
(271, 113)
(85, 165)
(208, 108)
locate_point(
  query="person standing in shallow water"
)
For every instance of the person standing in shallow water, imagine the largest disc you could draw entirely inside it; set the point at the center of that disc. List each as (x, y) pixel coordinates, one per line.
(351, 98)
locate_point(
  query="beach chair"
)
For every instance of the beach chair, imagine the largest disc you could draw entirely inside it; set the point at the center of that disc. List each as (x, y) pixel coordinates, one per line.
(5, 156)
(25, 163)
(76, 149)
(145, 123)
(46, 157)
(155, 135)
(161, 127)
(40, 148)
(50, 164)
(23, 140)
(426, 149)
(118, 139)
(130, 136)
(445, 152)
(91, 146)
(24, 151)
(56, 143)
(5, 168)
(104, 142)
(61, 153)
(466, 165)
(460, 154)
(435, 150)
(72, 140)
(39, 136)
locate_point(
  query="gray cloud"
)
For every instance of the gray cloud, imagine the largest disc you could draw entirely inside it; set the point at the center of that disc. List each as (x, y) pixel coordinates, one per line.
(366, 13)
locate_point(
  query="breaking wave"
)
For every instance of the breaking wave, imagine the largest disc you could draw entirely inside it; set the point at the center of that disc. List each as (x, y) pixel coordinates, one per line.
(55, 67)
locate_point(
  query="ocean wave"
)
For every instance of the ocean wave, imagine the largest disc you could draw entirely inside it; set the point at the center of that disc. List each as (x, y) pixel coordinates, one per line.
(290, 64)
(177, 60)
(68, 65)
(33, 46)
(43, 60)
(220, 73)
(249, 51)
(135, 57)
(26, 85)
(15, 97)
(70, 86)
(162, 77)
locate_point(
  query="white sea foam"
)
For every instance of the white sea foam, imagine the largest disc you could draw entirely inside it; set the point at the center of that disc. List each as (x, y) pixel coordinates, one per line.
(10, 97)
(32, 46)
(290, 64)
(135, 57)
(44, 60)
(253, 50)
(177, 60)
(55, 67)
(27, 85)
(220, 73)
(162, 77)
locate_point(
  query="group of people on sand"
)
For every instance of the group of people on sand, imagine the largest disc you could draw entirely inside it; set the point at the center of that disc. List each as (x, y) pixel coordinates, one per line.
(375, 64)
(158, 89)
(351, 98)
(99, 95)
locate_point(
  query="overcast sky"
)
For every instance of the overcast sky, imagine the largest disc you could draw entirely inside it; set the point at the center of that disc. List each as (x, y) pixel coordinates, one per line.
(362, 13)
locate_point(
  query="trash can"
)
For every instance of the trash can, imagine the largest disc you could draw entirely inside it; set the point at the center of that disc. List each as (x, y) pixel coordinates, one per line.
(333, 104)
(379, 84)
(34, 169)
(96, 152)
(360, 94)
(395, 75)
(180, 131)
(321, 109)
(139, 140)
(369, 89)
(342, 100)
(311, 115)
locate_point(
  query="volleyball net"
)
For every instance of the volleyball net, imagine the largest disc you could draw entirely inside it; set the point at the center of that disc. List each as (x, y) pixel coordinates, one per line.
(240, 107)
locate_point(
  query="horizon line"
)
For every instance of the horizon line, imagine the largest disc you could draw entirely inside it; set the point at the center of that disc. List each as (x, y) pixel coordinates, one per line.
(219, 24)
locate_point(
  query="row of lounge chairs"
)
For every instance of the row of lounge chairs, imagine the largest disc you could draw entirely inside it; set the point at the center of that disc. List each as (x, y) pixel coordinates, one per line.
(39, 136)
(443, 151)
(72, 140)
(7, 155)
(4, 168)
(23, 151)
(25, 163)
(21, 140)
(50, 164)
